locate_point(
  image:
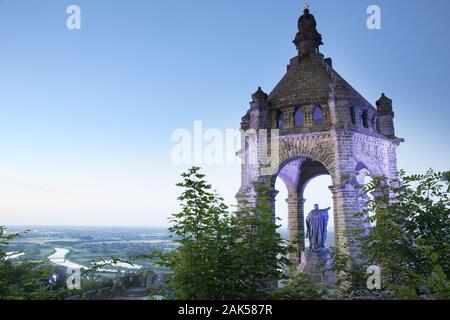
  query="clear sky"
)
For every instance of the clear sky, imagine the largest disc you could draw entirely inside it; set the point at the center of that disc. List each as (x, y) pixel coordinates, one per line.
(86, 116)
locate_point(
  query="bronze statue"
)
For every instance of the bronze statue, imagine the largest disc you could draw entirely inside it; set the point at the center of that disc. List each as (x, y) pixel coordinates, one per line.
(317, 223)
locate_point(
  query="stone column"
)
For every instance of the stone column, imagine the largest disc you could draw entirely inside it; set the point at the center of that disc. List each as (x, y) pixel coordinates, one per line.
(289, 117)
(296, 225)
(302, 230)
(271, 199)
(326, 114)
(307, 111)
(346, 205)
(268, 194)
(392, 161)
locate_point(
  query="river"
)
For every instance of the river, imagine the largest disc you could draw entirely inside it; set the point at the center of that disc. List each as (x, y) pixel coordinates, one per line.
(13, 255)
(59, 258)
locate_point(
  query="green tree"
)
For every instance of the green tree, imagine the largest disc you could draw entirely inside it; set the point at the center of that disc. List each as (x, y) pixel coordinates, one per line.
(258, 252)
(201, 232)
(409, 239)
(220, 255)
(25, 280)
(300, 287)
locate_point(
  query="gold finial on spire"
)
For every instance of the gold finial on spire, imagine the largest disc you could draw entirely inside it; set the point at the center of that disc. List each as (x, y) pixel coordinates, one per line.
(306, 6)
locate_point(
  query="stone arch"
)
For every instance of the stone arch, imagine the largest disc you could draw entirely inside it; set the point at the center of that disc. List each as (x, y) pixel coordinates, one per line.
(307, 181)
(370, 165)
(318, 149)
(312, 158)
(289, 184)
(361, 171)
(303, 181)
(360, 166)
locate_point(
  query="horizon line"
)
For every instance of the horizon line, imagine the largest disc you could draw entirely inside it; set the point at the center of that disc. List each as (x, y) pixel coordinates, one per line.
(79, 226)
(85, 226)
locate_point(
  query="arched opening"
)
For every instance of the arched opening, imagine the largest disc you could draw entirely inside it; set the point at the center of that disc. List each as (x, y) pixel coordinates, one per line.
(363, 177)
(317, 192)
(298, 179)
(299, 117)
(353, 115)
(374, 123)
(365, 119)
(281, 207)
(318, 117)
(280, 120)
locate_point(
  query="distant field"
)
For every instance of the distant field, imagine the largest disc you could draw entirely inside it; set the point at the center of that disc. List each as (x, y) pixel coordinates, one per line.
(44, 241)
(88, 244)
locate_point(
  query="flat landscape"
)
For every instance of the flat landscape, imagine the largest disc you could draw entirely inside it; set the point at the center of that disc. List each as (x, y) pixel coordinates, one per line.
(84, 245)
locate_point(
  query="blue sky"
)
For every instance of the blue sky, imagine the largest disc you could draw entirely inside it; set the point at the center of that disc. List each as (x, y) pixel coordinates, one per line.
(86, 116)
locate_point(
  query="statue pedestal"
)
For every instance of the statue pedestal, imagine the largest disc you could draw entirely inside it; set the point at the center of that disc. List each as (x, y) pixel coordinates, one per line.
(318, 265)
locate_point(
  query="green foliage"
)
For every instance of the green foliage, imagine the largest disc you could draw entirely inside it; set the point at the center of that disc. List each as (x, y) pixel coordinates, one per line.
(25, 280)
(219, 255)
(351, 278)
(258, 251)
(409, 238)
(300, 287)
(201, 230)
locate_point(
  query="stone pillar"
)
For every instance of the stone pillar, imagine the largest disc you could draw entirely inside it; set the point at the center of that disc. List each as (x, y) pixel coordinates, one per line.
(318, 265)
(296, 226)
(289, 117)
(271, 198)
(392, 161)
(250, 197)
(268, 193)
(326, 114)
(339, 106)
(302, 230)
(346, 205)
(308, 112)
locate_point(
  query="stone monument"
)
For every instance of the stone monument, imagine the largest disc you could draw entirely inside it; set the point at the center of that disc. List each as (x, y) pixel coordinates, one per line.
(316, 261)
(322, 126)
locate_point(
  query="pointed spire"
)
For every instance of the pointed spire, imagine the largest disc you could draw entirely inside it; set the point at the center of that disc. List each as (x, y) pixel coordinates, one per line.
(308, 39)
